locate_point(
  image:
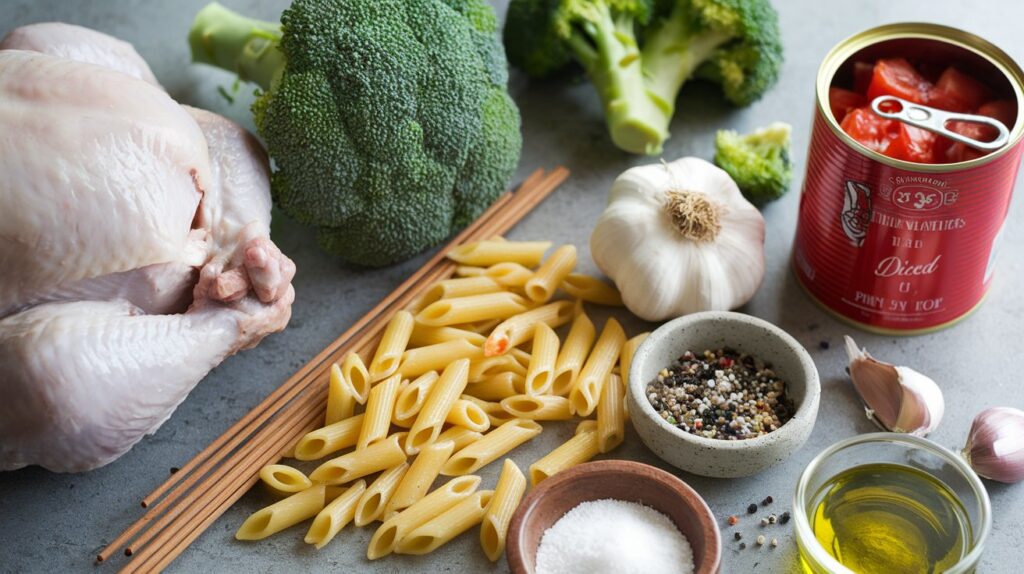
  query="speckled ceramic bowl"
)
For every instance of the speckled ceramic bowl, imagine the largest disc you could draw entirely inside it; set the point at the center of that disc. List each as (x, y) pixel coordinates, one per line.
(714, 330)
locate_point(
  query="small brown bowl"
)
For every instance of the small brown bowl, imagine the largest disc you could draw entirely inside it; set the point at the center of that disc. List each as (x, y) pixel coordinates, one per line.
(620, 480)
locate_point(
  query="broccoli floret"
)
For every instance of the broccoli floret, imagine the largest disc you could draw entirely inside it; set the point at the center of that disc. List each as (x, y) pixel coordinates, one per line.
(733, 42)
(757, 162)
(388, 121)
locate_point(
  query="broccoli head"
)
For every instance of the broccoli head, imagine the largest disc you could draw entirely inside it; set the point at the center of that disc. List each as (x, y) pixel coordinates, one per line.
(388, 121)
(639, 53)
(757, 162)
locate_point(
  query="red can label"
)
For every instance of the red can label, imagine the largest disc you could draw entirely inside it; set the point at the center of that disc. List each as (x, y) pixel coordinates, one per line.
(895, 249)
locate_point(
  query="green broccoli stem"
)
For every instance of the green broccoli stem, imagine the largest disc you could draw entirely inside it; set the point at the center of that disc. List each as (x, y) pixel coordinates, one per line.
(248, 47)
(606, 47)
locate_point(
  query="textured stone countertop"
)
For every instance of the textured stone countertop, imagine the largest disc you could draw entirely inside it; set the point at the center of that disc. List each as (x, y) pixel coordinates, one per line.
(56, 523)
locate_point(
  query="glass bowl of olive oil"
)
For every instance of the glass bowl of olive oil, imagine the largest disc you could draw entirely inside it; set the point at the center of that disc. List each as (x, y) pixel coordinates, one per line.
(886, 503)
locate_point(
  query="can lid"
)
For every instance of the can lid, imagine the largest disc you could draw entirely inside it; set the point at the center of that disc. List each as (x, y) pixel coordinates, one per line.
(936, 120)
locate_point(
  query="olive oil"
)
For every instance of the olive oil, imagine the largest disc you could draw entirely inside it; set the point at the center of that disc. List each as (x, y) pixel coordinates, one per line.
(887, 518)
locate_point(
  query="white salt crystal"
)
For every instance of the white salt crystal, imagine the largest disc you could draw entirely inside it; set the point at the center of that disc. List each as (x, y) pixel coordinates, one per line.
(614, 537)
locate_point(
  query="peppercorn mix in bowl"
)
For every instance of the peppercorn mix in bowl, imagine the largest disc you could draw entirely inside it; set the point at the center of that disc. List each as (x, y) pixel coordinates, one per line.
(722, 394)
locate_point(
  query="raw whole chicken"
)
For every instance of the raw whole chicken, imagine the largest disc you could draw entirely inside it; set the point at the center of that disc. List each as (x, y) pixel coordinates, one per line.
(134, 246)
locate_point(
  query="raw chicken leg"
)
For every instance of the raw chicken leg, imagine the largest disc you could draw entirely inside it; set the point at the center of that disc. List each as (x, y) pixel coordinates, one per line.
(136, 233)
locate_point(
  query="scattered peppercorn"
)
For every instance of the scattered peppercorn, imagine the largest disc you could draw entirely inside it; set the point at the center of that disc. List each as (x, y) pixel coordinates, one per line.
(733, 520)
(760, 540)
(743, 545)
(767, 500)
(772, 518)
(784, 518)
(174, 469)
(752, 508)
(775, 542)
(824, 345)
(737, 536)
(764, 522)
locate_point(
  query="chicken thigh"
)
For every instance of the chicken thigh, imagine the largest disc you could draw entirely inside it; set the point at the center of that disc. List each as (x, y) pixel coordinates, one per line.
(134, 235)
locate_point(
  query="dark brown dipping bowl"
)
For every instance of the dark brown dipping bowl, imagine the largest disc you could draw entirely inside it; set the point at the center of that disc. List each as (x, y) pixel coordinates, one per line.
(620, 480)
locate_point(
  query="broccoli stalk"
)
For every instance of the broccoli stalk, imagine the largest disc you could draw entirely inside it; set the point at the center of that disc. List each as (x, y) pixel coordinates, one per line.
(228, 40)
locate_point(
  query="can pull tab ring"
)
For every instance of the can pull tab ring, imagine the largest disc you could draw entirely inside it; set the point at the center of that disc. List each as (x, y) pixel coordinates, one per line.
(935, 120)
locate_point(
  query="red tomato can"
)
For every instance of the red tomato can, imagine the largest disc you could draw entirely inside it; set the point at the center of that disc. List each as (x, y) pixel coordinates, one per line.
(890, 245)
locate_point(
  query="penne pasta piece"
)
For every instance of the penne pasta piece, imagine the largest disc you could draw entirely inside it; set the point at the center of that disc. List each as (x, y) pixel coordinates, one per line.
(386, 537)
(392, 345)
(422, 473)
(488, 367)
(460, 436)
(354, 371)
(468, 414)
(469, 271)
(442, 396)
(497, 387)
(589, 425)
(335, 516)
(518, 329)
(495, 414)
(579, 449)
(573, 354)
(421, 360)
(423, 336)
(509, 274)
(611, 424)
(538, 407)
(384, 454)
(480, 327)
(379, 409)
(441, 529)
(587, 390)
(626, 357)
(460, 287)
(284, 480)
(331, 438)
(540, 375)
(341, 397)
(411, 398)
(521, 356)
(471, 309)
(507, 495)
(372, 504)
(490, 252)
(283, 514)
(591, 289)
(551, 273)
(494, 444)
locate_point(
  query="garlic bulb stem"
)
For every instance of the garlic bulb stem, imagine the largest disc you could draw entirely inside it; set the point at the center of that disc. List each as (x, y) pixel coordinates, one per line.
(695, 216)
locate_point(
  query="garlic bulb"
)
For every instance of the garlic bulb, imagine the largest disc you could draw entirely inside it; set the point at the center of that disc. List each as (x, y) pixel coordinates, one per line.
(899, 399)
(995, 445)
(678, 238)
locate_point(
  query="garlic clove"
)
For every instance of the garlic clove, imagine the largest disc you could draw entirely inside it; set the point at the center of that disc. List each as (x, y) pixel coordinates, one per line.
(899, 399)
(995, 445)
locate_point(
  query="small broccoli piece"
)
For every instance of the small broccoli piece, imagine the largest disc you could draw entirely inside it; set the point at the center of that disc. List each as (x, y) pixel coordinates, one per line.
(389, 121)
(757, 162)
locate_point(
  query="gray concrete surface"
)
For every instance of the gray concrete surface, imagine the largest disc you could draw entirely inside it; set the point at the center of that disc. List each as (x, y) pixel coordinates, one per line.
(56, 523)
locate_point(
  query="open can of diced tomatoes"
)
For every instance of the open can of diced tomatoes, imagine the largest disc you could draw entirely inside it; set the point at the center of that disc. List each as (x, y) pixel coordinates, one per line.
(898, 227)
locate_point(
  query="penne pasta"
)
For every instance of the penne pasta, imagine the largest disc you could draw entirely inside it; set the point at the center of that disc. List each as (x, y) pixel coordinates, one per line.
(626, 357)
(497, 387)
(354, 371)
(442, 396)
(331, 438)
(392, 345)
(551, 273)
(491, 252)
(611, 424)
(421, 360)
(384, 454)
(538, 407)
(519, 329)
(341, 397)
(372, 504)
(488, 449)
(591, 289)
(573, 354)
(589, 425)
(283, 514)
(411, 398)
(587, 390)
(495, 414)
(480, 327)
(472, 308)
(441, 529)
(460, 287)
(460, 436)
(423, 336)
(379, 409)
(469, 271)
(386, 537)
(509, 274)
(540, 375)
(335, 516)
(422, 473)
(468, 414)
(507, 495)
(284, 480)
(579, 449)
(488, 367)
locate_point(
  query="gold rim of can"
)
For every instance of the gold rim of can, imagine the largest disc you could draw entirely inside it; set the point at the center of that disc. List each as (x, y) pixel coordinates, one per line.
(949, 35)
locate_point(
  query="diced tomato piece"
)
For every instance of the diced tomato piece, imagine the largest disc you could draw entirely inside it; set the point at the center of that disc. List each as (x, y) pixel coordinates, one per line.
(957, 92)
(896, 77)
(871, 130)
(1002, 110)
(952, 152)
(862, 72)
(842, 101)
(912, 144)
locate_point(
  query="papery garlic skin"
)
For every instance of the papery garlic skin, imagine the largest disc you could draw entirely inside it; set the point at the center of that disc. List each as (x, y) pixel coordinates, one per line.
(663, 272)
(995, 445)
